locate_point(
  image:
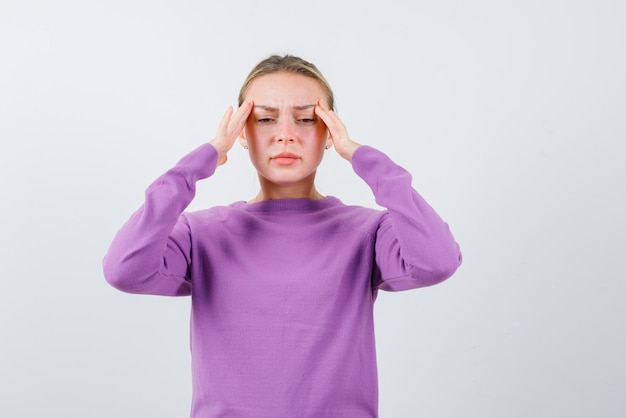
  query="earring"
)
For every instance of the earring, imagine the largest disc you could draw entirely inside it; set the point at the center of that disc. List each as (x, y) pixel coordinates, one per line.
(327, 147)
(245, 147)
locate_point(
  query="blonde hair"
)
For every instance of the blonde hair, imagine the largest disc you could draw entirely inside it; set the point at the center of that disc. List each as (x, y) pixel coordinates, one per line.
(288, 64)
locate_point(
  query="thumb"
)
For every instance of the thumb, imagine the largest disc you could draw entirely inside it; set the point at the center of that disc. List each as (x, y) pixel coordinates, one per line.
(222, 160)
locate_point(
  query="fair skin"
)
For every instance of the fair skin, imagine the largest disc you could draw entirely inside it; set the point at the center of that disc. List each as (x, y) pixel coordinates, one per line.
(286, 125)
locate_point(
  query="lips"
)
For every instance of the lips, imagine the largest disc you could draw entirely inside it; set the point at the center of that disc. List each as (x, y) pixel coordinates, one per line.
(286, 155)
(285, 158)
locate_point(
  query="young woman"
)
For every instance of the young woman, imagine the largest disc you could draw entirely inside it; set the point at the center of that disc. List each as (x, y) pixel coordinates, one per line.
(282, 285)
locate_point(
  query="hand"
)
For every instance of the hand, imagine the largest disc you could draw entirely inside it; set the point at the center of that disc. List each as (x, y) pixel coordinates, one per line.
(337, 131)
(230, 127)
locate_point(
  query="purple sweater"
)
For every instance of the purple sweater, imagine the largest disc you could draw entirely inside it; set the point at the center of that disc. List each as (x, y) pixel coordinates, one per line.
(282, 291)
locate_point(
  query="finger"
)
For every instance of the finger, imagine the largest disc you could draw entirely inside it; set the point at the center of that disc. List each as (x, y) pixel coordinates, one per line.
(323, 103)
(324, 115)
(239, 118)
(223, 126)
(335, 126)
(330, 114)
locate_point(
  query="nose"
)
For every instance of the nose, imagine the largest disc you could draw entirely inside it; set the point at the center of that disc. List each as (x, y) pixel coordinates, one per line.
(285, 132)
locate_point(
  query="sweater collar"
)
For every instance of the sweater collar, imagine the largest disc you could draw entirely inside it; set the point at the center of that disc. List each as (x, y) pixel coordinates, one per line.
(304, 205)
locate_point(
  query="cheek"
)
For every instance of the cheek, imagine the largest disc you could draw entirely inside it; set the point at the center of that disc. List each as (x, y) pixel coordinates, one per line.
(254, 135)
(254, 131)
(317, 131)
(321, 133)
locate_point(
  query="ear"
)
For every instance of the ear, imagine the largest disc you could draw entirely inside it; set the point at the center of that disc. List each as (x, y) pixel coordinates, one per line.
(329, 141)
(243, 141)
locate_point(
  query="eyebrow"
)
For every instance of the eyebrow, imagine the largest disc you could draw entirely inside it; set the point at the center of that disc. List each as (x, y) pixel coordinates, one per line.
(299, 107)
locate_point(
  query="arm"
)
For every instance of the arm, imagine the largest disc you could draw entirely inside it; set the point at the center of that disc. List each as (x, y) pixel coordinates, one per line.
(414, 247)
(151, 252)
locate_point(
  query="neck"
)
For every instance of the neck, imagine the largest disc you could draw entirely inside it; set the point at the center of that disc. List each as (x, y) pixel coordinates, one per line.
(272, 191)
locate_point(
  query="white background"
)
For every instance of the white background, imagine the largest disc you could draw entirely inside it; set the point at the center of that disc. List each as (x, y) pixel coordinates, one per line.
(511, 115)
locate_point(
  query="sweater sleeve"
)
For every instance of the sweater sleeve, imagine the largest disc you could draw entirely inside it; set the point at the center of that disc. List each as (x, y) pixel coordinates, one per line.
(151, 252)
(414, 246)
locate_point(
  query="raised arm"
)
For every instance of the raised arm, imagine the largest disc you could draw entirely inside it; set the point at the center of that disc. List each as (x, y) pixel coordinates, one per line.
(150, 253)
(414, 246)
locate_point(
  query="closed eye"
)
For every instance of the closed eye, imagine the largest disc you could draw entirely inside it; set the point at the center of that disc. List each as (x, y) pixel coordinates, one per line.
(264, 120)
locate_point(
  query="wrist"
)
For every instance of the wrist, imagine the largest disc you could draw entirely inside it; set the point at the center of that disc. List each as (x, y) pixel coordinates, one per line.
(221, 151)
(348, 151)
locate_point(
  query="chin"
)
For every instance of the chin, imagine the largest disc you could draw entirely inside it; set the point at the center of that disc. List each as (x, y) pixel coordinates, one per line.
(288, 178)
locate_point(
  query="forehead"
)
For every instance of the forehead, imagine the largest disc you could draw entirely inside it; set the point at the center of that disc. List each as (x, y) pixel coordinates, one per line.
(284, 87)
